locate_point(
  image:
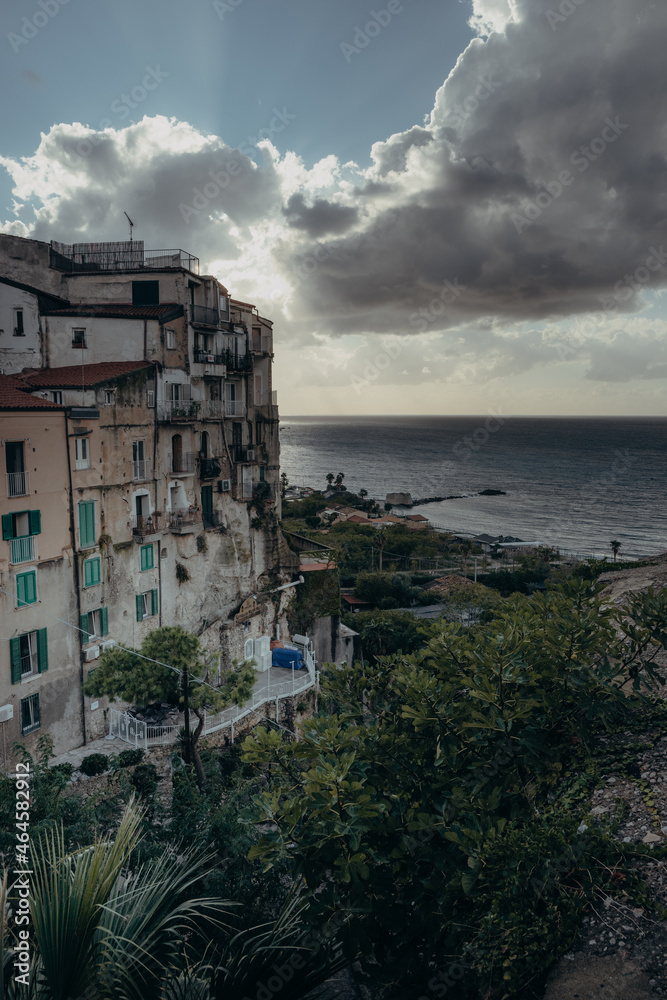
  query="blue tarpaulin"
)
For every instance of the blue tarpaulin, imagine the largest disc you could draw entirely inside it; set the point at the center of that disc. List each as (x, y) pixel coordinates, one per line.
(287, 657)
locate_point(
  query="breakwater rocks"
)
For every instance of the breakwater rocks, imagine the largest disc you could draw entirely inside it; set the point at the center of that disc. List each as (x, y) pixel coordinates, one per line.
(452, 496)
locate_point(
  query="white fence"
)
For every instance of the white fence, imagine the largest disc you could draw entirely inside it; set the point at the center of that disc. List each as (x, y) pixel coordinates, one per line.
(141, 734)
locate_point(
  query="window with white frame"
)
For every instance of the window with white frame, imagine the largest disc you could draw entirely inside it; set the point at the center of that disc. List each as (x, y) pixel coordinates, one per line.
(30, 719)
(79, 337)
(171, 338)
(82, 451)
(57, 396)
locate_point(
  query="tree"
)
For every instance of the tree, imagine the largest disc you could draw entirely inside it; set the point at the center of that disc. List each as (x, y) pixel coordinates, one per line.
(383, 633)
(330, 479)
(168, 669)
(363, 494)
(284, 483)
(381, 543)
(465, 547)
(615, 547)
(339, 480)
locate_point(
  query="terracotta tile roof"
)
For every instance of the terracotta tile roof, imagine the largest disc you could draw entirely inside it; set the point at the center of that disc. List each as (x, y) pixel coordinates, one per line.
(169, 310)
(415, 517)
(13, 396)
(74, 375)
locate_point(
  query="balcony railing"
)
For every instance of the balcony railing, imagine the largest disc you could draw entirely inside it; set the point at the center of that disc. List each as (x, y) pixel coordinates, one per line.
(204, 315)
(209, 468)
(261, 344)
(178, 409)
(187, 517)
(212, 409)
(206, 358)
(28, 666)
(237, 362)
(120, 259)
(18, 484)
(234, 408)
(148, 524)
(23, 549)
(183, 463)
(141, 469)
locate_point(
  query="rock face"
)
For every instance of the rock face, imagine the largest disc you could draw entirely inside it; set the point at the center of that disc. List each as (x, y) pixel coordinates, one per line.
(400, 499)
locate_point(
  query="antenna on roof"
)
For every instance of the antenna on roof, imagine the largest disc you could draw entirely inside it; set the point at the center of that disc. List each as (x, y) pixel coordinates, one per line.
(131, 224)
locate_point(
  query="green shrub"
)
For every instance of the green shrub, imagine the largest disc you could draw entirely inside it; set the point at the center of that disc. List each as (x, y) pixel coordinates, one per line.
(94, 763)
(66, 769)
(128, 758)
(144, 780)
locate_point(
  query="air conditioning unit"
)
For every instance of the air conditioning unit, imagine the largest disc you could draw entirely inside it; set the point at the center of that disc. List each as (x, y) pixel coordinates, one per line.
(109, 644)
(262, 646)
(92, 653)
(300, 640)
(6, 713)
(224, 485)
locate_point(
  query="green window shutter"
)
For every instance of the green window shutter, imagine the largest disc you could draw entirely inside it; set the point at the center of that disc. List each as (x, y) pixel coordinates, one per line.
(7, 527)
(140, 607)
(26, 589)
(15, 654)
(42, 650)
(154, 603)
(104, 621)
(87, 522)
(91, 572)
(147, 557)
(38, 720)
(84, 628)
(35, 522)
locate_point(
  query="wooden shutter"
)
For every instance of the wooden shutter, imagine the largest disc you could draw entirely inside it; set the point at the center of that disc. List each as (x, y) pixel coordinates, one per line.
(84, 628)
(87, 522)
(140, 607)
(7, 527)
(154, 602)
(104, 621)
(36, 713)
(42, 651)
(35, 522)
(15, 653)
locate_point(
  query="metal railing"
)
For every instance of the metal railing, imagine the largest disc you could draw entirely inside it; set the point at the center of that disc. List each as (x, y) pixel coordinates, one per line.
(183, 463)
(237, 362)
(212, 409)
(184, 518)
(209, 468)
(123, 260)
(234, 407)
(18, 484)
(208, 358)
(141, 468)
(23, 549)
(177, 409)
(262, 344)
(28, 664)
(147, 524)
(205, 315)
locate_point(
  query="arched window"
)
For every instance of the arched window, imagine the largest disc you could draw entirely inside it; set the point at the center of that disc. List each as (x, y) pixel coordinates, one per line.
(176, 453)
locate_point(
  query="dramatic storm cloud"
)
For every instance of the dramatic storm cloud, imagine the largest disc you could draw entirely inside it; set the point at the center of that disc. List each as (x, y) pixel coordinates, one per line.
(533, 194)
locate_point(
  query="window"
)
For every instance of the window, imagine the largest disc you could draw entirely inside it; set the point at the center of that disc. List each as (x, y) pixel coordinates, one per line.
(261, 474)
(259, 392)
(29, 714)
(21, 524)
(109, 397)
(92, 572)
(139, 470)
(171, 338)
(145, 293)
(79, 338)
(146, 557)
(19, 330)
(179, 391)
(147, 605)
(17, 476)
(82, 452)
(57, 396)
(28, 655)
(26, 588)
(86, 523)
(203, 447)
(150, 398)
(95, 624)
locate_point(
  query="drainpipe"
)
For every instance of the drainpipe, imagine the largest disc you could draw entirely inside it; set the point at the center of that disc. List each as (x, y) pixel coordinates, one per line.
(157, 502)
(285, 586)
(77, 583)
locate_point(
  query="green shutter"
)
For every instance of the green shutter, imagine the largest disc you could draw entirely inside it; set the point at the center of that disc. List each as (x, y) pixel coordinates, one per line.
(154, 604)
(7, 527)
(15, 654)
(84, 628)
(147, 557)
(87, 522)
(35, 522)
(140, 607)
(26, 589)
(42, 651)
(38, 720)
(91, 572)
(104, 621)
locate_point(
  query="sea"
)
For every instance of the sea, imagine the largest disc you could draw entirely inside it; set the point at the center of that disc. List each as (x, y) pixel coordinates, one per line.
(574, 483)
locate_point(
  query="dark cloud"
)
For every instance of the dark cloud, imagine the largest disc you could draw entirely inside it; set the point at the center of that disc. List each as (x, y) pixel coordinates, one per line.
(321, 218)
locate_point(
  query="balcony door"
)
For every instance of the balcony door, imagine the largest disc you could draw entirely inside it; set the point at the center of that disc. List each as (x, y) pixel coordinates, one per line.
(207, 505)
(16, 476)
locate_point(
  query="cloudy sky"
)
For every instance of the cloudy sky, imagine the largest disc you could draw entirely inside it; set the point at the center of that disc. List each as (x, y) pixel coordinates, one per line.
(446, 206)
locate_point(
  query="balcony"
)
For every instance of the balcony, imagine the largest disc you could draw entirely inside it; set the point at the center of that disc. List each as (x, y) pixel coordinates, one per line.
(141, 469)
(183, 464)
(209, 468)
(185, 521)
(120, 258)
(145, 526)
(171, 410)
(237, 362)
(262, 343)
(204, 316)
(234, 408)
(212, 409)
(18, 484)
(204, 358)
(23, 549)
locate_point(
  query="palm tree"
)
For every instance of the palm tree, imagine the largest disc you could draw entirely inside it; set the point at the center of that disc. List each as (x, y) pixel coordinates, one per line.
(339, 480)
(284, 482)
(615, 546)
(330, 479)
(363, 494)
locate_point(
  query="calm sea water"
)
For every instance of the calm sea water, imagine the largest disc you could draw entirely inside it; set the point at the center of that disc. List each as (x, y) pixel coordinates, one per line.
(572, 482)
